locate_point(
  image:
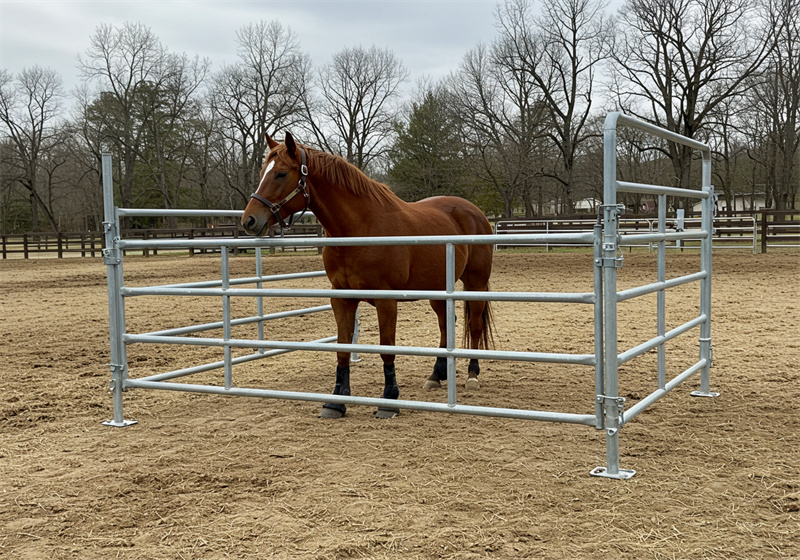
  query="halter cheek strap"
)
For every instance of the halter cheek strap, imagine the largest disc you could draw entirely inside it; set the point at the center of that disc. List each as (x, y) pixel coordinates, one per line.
(275, 208)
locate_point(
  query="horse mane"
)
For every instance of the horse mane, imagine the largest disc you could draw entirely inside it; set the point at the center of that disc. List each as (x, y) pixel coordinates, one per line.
(339, 172)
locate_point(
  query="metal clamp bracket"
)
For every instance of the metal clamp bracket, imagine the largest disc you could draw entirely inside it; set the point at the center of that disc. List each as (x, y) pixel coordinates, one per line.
(616, 262)
(620, 402)
(111, 256)
(620, 209)
(710, 350)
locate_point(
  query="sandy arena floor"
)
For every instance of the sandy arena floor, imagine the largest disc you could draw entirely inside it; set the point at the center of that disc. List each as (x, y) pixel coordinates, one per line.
(211, 477)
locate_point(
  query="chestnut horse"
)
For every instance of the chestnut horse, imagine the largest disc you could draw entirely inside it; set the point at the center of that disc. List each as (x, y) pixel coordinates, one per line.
(349, 204)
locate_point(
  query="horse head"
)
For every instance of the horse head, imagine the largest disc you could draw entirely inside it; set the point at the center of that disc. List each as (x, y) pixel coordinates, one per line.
(282, 189)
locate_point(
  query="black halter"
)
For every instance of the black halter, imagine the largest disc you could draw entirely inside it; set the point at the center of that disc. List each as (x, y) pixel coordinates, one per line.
(301, 188)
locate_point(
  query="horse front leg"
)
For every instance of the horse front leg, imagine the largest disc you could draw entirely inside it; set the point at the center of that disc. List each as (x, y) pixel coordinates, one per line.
(387, 324)
(344, 310)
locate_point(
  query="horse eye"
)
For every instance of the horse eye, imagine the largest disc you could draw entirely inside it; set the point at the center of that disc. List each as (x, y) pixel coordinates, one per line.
(281, 175)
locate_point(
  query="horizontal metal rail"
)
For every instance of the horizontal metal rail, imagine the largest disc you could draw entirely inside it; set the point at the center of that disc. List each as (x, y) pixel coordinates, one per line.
(219, 365)
(248, 280)
(177, 213)
(569, 418)
(238, 322)
(546, 297)
(615, 119)
(656, 286)
(251, 242)
(659, 340)
(642, 188)
(640, 406)
(578, 359)
(656, 237)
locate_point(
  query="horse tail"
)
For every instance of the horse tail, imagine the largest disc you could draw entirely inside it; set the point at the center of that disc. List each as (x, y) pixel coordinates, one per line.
(486, 340)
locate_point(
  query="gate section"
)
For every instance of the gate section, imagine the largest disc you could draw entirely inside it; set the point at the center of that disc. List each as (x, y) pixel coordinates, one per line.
(611, 261)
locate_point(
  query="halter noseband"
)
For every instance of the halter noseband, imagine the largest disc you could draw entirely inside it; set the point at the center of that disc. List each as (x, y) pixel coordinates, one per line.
(301, 188)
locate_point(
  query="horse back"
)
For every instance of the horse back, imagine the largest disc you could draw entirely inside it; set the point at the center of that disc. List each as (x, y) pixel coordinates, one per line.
(415, 266)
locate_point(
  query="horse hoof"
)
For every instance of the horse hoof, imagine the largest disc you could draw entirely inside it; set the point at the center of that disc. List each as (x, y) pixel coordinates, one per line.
(331, 413)
(430, 385)
(386, 413)
(472, 384)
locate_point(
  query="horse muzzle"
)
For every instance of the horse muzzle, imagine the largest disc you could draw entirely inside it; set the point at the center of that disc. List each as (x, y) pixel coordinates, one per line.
(255, 223)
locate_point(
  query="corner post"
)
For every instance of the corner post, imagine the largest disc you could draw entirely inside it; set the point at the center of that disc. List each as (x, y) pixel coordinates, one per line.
(112, 258)
(705, 284)
(610, 399)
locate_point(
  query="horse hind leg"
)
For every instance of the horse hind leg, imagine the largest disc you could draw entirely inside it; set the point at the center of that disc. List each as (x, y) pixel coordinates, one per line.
(387, 324)
(440, 367)
(477, 314)
(475, 330)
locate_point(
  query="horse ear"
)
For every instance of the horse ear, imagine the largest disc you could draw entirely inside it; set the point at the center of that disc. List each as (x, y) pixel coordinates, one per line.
(290, 145)
(270, 142)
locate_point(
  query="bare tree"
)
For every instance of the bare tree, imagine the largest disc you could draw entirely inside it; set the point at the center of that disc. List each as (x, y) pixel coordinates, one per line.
(360, 91)
(677, 60)
(123, 63)
(29, 111)
(727, 148)
(502, 120)
(776, 99)
(560, 52)
(263, 91)
(167, 107)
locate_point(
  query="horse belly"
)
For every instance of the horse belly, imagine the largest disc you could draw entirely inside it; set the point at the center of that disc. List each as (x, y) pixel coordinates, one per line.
(418, 267)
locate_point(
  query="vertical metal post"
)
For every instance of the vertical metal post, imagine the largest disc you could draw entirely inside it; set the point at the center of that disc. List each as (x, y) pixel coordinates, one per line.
(661, 319)
(705, 283)
(547, 231)
(610, 398)
(598, 323)
(450, 257)
(260, 299)
(226, 317)
(354, 358)
(112, 257)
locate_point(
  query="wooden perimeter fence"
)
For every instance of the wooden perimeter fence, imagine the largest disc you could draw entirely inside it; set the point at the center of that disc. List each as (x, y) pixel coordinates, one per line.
(91, 244)
(771, 229)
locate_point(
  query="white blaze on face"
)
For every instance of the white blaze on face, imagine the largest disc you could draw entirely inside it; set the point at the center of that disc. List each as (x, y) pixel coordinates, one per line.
(266, 172)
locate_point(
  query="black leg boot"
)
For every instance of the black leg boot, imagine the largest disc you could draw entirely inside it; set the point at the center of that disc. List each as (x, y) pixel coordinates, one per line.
(334, 410)
(390, 391)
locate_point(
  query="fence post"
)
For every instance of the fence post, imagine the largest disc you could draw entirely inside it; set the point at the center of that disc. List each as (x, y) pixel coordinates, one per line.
(764, 226)
(112, 257)
(450, 335)
(705, 283)
(610, 399)
(598, 322)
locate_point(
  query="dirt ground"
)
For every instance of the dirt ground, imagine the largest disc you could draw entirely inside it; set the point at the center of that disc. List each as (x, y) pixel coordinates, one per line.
(211, 477)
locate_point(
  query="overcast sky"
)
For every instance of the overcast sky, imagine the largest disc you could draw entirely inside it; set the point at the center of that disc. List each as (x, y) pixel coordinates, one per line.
(429, 37)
